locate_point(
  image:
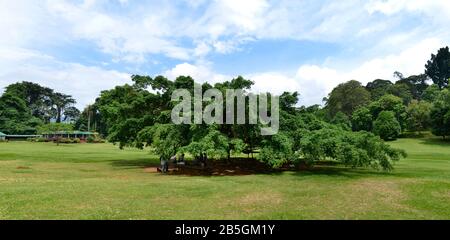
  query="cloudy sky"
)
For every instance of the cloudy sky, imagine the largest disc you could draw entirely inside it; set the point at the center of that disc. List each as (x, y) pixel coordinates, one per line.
(82, 47)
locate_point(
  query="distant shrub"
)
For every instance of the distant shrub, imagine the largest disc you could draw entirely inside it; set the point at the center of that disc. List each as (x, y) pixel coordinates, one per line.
(90, 139)
(65, 140)
(76, 140)
(41, 140)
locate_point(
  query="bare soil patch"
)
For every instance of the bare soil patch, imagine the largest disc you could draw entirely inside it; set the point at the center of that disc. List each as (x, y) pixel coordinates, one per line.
(22, 167)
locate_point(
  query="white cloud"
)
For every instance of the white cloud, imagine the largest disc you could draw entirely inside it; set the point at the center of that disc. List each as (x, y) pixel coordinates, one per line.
(200, 73)
(273, 82)
(389, 7)
(376, 39)
(82, 82)
(314, 82)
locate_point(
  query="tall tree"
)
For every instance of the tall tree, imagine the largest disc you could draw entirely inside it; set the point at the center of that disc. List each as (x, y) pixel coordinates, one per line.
(378, 88)
(402, 91)
(440, 114)
(71, 114)
(37, 98)
(346, 98)
(416, 85)
(61, 102)
(438, 67)
(15, 117)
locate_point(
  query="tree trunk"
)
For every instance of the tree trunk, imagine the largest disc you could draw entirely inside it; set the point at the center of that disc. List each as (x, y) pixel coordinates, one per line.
(58, 115)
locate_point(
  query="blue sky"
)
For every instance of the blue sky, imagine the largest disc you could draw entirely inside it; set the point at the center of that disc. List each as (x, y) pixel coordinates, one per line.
(85, 46)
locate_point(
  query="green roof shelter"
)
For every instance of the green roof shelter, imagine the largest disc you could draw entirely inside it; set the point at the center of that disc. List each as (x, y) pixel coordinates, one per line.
(2, 136)
(69, 134)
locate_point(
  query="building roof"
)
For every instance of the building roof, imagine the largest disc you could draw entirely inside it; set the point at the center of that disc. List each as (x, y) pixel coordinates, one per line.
(22, 136)
(71, 132)
(2, 134)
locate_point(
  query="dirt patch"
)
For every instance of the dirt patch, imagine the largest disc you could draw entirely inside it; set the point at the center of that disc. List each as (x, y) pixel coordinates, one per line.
(22, 167)
(151, 170)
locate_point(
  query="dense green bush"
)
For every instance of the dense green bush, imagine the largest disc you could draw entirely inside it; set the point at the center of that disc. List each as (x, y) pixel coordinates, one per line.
(386, 126)
(354, 149)
(90, 139)
(65, 140)
(362, 120)
(276, 150)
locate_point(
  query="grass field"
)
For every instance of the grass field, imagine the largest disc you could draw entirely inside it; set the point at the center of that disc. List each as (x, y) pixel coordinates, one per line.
(45, 181)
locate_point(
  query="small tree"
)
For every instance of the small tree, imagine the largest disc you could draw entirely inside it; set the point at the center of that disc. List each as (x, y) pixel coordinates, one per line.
(386, 126)
(440, 114)
(276, 150)
(390, 103)
(418, 115)
(362, 120)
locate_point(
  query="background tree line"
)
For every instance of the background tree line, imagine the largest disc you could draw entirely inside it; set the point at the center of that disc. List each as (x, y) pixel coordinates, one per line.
(349, 129)
(24, 106)
(389, 109)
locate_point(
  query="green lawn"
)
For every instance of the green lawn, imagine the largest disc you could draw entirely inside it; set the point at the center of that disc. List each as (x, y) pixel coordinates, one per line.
(99, 181)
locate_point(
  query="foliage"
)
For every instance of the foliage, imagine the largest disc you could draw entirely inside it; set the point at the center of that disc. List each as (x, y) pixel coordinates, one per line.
(418, 115)
(342, 120)
(276, 150)
(430, 94)
(362, 119)
(416, 85)
(354, 149)
(15, 117)
(165, 139)
(438, 67)
(402, 91)
(440, 114)
(378, 88)
(390, 103)
(91, 139)
(44, 103)
(55, 127)
(386, 126)
(346, 98)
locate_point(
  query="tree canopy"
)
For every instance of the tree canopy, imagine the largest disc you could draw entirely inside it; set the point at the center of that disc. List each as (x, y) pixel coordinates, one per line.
(438, 67)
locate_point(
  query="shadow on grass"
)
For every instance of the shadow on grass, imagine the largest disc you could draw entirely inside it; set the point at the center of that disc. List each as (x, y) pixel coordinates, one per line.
(135, 163)
(246, 166)
(435, 141)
